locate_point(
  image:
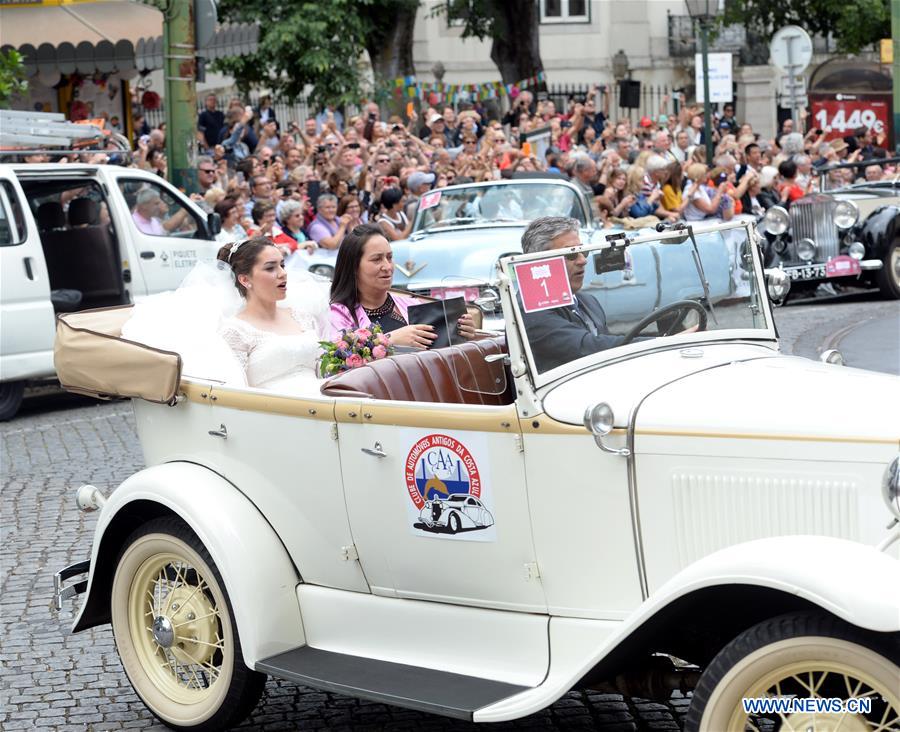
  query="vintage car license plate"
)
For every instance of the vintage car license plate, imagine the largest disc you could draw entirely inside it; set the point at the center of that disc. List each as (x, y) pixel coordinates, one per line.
(842, 266)
(806, 272)
(445, 293)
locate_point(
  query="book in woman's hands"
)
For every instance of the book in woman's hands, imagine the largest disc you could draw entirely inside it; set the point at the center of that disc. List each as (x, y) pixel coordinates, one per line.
(443, 316)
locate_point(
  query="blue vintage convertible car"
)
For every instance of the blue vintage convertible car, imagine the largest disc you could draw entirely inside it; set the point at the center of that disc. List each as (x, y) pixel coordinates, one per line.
(461, 231)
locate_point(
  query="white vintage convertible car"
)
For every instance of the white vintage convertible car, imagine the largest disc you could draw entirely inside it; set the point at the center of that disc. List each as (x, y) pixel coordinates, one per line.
(660, 518)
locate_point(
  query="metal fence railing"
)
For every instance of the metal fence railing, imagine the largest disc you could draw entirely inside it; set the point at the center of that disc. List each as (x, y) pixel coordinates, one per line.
(649, 100)
(285, 112)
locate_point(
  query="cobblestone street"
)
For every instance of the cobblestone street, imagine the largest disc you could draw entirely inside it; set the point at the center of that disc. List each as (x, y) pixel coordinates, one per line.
(51, 679)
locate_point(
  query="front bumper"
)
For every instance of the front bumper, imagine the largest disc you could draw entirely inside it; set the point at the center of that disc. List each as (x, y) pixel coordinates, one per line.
(819, 271)
(63, 592)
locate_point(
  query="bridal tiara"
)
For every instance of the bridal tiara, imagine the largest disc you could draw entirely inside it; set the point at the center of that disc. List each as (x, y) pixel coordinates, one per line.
(234, 248)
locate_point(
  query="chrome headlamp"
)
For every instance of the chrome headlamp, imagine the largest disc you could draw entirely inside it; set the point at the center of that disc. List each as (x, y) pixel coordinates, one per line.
(845, 214)
(778, 284)
(890, 486)
(857, 250)
(599, 421)
(776, 221)
(488, 300)
(323, 270)
(806, 249)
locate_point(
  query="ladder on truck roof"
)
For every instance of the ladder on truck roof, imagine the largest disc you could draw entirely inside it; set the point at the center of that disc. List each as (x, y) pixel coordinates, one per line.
(50, 133)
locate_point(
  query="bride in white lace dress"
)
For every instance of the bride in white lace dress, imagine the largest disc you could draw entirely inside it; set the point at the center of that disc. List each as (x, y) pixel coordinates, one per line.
(276, 346)
(238, 322)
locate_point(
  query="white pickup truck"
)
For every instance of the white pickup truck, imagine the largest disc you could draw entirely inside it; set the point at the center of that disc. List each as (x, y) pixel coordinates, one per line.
(76, 236)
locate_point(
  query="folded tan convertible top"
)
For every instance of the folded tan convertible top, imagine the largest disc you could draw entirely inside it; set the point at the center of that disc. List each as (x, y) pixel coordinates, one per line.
(92, 358)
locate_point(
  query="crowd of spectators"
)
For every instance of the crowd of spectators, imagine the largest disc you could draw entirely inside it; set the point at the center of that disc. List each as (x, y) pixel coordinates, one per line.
(306, 184)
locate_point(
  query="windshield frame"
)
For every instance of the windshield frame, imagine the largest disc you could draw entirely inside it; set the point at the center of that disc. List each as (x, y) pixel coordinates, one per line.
(521, 354)
(419, 231)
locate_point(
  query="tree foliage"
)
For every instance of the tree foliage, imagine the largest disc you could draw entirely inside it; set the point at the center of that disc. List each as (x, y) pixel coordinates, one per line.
(315, 43)
(12, 76)
(512, 26)
(853, 23)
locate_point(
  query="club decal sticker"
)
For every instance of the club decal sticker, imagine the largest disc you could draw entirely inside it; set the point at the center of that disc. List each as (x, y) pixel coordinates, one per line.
(447, 495)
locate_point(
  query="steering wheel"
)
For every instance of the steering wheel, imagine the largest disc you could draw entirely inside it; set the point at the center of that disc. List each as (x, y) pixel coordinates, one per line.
(679, 308)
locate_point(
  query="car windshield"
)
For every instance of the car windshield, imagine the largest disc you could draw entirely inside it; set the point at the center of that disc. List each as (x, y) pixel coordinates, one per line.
(501, 203)
(580, 302)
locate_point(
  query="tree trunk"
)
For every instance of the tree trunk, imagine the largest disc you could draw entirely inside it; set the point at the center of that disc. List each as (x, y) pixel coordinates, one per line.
(390, 49)
(516, 48)
(391, 52)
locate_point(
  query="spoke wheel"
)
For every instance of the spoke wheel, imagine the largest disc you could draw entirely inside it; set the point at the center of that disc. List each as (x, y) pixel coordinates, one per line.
(802, 656)
(175, 632)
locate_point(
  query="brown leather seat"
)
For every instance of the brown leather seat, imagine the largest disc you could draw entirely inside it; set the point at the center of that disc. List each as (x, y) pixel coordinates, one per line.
(453, 375)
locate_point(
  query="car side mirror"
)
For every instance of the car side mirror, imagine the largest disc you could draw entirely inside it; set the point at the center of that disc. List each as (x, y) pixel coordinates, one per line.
(213, 223)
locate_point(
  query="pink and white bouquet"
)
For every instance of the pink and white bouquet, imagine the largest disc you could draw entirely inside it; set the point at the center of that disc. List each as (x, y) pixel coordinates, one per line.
(354, 348)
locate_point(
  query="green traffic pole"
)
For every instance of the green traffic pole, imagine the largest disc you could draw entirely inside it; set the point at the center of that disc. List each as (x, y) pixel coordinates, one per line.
(181, 92)
(707, 108)
(895, 40)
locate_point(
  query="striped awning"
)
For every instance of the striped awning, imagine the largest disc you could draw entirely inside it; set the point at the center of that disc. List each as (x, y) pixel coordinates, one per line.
(82, 37)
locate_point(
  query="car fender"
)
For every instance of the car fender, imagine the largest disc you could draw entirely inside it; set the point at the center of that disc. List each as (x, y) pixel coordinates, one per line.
(853, 581)
(257, 571)
(880, 230)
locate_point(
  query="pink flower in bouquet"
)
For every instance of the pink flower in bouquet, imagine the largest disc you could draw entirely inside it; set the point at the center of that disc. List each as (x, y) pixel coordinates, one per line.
(379, 352)
(342, 345)
(354, 361)
(382, 339)
(363, 334)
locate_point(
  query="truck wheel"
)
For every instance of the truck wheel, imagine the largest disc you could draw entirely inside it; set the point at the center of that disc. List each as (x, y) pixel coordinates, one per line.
(10, 398)
(803, 655)
(888, 277)
(175, 632)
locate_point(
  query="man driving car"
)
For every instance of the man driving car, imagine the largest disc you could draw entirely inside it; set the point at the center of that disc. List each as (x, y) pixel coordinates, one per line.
(564, 334)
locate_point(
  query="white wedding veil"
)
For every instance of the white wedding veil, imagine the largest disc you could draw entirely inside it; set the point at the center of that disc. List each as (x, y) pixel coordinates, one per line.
(189, 320)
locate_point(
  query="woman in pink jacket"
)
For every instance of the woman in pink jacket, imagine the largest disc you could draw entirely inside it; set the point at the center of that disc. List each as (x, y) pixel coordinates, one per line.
(360, 292)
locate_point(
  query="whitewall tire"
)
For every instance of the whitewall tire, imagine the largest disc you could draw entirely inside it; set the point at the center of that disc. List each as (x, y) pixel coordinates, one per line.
(175, 632)
(804, 655)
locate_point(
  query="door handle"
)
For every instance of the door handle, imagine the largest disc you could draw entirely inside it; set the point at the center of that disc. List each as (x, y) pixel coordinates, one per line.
(221, 432)
(375, 451)
(29, 273)
(148, 255)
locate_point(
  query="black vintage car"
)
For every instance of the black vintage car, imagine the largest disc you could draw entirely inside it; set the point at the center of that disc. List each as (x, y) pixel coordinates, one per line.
(849, 235)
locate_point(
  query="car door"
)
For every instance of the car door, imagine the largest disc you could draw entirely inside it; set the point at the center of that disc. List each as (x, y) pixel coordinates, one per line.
(396, 459)
(166, 233)
(26, 313)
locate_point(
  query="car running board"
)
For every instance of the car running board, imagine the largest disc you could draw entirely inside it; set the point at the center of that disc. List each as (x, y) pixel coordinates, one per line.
(424, 689)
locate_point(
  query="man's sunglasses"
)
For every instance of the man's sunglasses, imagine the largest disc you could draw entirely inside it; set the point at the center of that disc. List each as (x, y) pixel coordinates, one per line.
(573, 256)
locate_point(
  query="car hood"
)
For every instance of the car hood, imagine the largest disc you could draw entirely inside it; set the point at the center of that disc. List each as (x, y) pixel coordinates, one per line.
(623, 385)
(454, 255)
(738, 390)
(786, 398)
